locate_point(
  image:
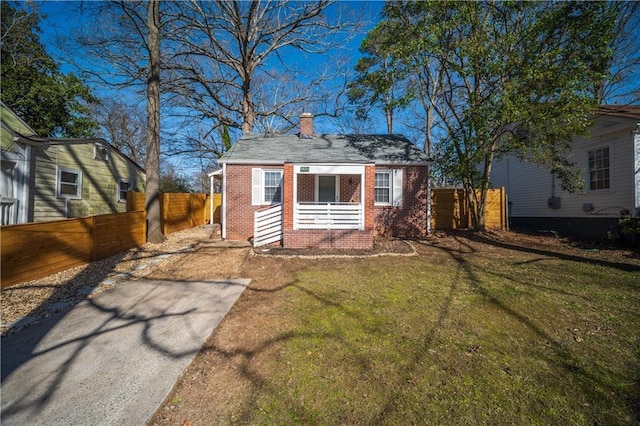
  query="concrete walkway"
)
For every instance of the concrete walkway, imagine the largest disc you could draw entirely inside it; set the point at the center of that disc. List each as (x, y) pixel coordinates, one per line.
(111, 359)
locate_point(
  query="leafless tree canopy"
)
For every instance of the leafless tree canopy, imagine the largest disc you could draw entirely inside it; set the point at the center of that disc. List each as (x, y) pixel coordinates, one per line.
(246, 66)
(228, 62)
(124, 127)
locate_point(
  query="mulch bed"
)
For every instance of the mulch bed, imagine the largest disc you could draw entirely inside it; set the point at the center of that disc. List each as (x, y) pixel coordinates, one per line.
(380, 246)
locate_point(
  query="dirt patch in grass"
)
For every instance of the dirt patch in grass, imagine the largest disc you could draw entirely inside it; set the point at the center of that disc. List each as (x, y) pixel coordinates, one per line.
(476, 328)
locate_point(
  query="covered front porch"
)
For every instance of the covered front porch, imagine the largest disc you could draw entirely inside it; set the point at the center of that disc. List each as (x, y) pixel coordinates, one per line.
(328, 205)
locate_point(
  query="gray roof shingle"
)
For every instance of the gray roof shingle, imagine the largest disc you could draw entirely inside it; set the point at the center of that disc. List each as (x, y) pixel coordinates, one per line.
(280, 149)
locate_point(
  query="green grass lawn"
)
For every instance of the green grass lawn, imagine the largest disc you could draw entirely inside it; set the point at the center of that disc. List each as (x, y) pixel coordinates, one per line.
(463, 333)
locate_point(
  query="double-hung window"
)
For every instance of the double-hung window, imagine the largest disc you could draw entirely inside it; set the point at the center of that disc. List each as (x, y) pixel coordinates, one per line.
(266, 186)
(272, 186)
(599, 170)
(69, 183)
(388, 187)
(383, 187)
(124, 186)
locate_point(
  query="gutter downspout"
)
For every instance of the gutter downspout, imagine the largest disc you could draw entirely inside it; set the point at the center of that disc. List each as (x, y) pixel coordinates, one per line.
(211, 200)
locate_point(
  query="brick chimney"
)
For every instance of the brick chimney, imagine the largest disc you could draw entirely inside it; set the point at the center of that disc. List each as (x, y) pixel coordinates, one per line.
(306, 125)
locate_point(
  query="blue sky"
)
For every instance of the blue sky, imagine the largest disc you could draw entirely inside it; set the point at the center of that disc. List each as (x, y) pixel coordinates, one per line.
(63, 18)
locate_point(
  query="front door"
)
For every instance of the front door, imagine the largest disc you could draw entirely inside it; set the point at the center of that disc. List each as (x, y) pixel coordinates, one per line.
(327, 189)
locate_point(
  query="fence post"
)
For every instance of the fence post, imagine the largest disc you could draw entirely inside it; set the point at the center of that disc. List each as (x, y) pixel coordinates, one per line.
(92, 238)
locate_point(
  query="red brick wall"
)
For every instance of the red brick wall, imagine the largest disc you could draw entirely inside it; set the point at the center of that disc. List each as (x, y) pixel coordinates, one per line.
(287, 197)
(350, 188)
(410, 219)
(369, 197)
(239, 211)
(337, 238)
(306, 188)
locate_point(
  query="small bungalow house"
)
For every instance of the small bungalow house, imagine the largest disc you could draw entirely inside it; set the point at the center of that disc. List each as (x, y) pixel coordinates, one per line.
(47, 179)
(610, 161)
(325, 191)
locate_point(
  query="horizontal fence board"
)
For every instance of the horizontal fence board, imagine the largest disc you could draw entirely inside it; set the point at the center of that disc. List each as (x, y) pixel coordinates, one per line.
(34, 250)
(21, 272)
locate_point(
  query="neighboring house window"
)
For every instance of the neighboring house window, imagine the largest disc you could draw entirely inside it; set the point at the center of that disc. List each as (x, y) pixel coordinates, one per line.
(599, 169)
(124, 186)
(69, 183)
(388, 187)
(100, 152)
(266, 186)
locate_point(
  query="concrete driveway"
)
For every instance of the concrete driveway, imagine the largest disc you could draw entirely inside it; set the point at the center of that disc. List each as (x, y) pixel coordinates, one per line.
(111, 359)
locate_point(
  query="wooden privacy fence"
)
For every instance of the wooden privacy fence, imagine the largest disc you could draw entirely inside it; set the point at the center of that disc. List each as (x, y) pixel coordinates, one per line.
(180, 211)
(449, 209)
(34, 250)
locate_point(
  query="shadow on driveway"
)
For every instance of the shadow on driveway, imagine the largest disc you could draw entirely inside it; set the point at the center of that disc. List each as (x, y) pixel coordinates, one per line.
(114, 358)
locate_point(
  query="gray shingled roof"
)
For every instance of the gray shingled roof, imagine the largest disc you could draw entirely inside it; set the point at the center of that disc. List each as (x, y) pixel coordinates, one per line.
(280, 149)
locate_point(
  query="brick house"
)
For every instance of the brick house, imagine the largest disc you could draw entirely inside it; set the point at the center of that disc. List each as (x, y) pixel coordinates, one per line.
(328, 191)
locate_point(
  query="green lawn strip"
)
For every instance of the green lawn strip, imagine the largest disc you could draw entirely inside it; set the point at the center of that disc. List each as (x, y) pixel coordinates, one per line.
(457, 338)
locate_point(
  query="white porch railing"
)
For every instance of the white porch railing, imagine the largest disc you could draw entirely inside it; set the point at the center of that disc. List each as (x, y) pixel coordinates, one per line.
(8, 211)
(328, 216)
(267, 225)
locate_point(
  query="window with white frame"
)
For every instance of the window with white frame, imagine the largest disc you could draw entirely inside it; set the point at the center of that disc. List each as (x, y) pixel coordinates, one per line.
(124, 186)
(266, 186)
(69, 183)
(388, 187)
(383, 187)
(599, 169)
(101, 152)
(272, 186)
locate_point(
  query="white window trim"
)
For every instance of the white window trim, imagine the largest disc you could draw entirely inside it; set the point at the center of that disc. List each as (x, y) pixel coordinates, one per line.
(258, 187)
(588, 171)
(395, 187)
(95, 152)
(379, 203)
(120, 182)
(59, 172)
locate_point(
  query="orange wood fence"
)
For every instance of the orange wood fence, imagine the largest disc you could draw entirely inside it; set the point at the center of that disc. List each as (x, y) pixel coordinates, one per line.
(34, 250)
(180, 211)
(449, 209)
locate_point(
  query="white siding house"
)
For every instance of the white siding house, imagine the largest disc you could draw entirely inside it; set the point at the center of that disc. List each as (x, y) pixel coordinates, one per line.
(609, 160)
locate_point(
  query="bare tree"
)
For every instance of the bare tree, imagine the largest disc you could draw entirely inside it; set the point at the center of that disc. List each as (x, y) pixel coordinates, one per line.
(623, 64)
(124, 127)
(154, 228)
(226, 49)
(121, 50)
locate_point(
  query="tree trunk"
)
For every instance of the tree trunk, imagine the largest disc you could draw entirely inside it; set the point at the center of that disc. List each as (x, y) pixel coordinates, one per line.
(248, 114)
(154, 226)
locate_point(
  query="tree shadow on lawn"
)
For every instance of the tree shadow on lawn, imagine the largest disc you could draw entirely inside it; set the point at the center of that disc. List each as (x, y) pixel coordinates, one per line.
(591, 382)
(484, 238)
(261, 383)
(245, 357)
